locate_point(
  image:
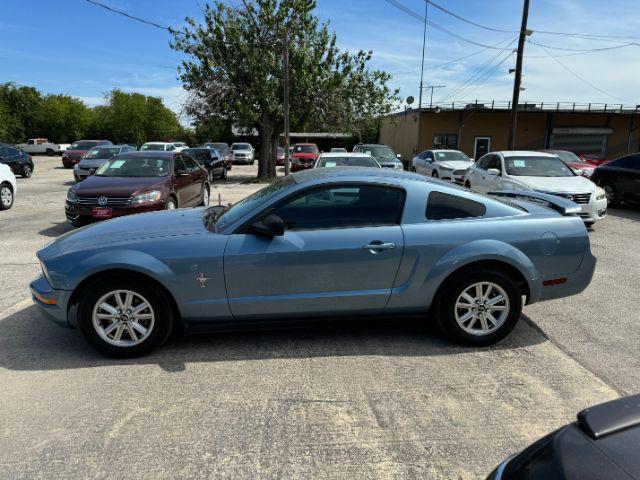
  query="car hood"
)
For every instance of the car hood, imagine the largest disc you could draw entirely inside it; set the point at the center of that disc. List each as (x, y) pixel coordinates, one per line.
(128, 229)
(557, 184)
(96, 186)
(456, 164)
(305, 155)
(76, 152)
(387, 161)
(92, 163)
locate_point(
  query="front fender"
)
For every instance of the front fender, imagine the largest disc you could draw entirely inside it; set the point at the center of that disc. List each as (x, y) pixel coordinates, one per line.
(477, 251)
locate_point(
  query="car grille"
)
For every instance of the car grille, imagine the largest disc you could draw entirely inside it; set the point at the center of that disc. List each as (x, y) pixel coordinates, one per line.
(111, 201)
(582, 198)
(459, 172)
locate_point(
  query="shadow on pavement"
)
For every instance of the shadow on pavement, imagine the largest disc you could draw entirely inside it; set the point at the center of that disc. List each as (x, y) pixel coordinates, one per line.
(31, 342)
(56, 229)
(630, 212)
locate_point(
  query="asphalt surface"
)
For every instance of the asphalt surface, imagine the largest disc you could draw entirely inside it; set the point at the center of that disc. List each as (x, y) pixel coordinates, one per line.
(389, 400)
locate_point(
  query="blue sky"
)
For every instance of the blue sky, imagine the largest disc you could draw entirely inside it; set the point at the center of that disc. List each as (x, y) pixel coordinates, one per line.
(73, 47)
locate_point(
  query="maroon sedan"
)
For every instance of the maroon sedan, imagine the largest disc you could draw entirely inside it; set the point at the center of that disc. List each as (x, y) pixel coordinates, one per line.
(573, 161)
(304, 156)
(78, 150)
(138, 182)
(280, 157)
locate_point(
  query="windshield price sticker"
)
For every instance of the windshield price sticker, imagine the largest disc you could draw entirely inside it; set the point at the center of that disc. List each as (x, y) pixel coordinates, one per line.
(519, 164)
(117, 164)
(330, 164)
(441, 155)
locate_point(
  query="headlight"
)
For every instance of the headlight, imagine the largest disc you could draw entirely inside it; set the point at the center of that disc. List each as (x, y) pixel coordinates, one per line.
(154, 196)
(446, 169)
(600, 194)
(398, 166)
(71, 197)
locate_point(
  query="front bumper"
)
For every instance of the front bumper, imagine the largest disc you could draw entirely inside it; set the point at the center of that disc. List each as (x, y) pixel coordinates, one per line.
(81, 173)
(296, 167)
(84, 213)
(70, 161)
(51, 301)
(594, 210)
(243, 160)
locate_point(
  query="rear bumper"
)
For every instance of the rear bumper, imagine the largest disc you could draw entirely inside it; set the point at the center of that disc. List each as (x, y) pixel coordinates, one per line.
(51, 301)
(68, 162)
(296, 167)
(575, 283)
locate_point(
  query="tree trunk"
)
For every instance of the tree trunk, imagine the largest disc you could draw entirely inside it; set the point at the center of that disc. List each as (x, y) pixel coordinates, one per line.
(267, 161)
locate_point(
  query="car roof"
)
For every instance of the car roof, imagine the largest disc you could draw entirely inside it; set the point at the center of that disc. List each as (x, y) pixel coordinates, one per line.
(344, 154)
(157, 143)
(120, 145)
(444, 150)
(357, 173)
(304, 143)
(149, 153)
(524, 153)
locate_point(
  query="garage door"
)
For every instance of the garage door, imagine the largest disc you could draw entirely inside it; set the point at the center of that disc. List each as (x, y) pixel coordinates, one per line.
(580, 140)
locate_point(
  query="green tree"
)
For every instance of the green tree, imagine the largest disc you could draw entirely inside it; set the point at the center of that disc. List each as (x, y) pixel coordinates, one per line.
(64, 119)
(23, 112)
(235, 71)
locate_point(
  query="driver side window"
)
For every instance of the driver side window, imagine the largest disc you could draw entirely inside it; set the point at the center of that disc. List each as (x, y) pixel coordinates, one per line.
(342, 206)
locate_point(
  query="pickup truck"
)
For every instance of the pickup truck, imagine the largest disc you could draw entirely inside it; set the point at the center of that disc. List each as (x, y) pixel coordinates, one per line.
(42, 146)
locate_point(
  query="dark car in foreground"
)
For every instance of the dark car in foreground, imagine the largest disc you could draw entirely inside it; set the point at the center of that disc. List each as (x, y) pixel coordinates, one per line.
(574, 162)
(211, 160)
(223, 149)
(304, 156)
(19, 161)
(78, 150)
(620, 179)
(96, 157)
(602, 444)
(138, 182)
(324, 243)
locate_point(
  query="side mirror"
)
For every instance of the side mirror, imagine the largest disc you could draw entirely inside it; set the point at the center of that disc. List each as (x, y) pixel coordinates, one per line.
(578, 171)
(181, 173)
(493, 171)
(270, 226)
(398, 156)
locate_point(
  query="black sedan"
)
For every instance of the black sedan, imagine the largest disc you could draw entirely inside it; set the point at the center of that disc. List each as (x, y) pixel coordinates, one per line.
(210, 159)
(601, 444)
(620, 179)
(18, 161)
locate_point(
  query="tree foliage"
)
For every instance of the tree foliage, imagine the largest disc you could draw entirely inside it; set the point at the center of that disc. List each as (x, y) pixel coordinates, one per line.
(235, 71)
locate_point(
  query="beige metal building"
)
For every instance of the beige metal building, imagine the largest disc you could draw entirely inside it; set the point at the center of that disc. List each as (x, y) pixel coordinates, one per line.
(597, 129)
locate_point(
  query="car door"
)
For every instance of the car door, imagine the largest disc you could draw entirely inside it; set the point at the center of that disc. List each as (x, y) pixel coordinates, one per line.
(476, 172)
(421, 164)
(197, 175)
(339, 255)
(482, 180)
(182, 182)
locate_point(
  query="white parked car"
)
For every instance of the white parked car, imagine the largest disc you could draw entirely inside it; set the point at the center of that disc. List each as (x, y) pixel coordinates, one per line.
(540, 172)
(180, 146)
(8, 187)
(450, 165)
(338, 150)
(158, 146)
(346, 159)
(243, 153)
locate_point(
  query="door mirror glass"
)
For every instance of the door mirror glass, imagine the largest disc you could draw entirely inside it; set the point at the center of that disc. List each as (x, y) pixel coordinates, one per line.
(270, 226)
(493, 171)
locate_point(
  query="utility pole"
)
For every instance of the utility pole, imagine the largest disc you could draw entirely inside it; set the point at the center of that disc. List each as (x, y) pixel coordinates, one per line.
(424, 43)
(516, 83)
(431, 87)
(285, 61)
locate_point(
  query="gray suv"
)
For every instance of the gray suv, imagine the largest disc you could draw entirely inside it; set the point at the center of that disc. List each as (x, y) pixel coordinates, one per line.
(95, 157)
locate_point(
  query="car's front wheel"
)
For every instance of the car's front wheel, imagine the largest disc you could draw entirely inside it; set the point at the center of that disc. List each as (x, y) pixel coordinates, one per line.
(205, 195)
(434, 174)
(479, 307)
(611, 192)
(123, 318)
(6, 196)
(27, 171)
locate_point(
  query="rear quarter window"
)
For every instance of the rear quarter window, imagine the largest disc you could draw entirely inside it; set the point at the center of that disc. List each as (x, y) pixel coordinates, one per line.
(444, 206)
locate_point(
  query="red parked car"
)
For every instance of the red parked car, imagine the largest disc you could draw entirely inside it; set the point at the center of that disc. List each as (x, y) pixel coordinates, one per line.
(138, 182)
(592, 159)
(304, 156)
(573, 161)
(280, 157)
(78, 150)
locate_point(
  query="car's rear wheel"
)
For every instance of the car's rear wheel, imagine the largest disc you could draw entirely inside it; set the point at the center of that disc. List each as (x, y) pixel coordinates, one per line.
(6, 196)
(223, 176)
(479, 307)
(170, 204)
(26, 171)
(611, 192)
(467, 184)
(122, 318)
(434, 174)
(50, 152)
(205, 195)
(413, 169)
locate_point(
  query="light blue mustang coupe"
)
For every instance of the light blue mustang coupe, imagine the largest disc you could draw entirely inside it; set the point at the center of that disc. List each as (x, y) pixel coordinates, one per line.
(320, 243)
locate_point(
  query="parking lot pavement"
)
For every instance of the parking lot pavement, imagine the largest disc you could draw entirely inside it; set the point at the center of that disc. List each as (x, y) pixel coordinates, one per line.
(388, 400)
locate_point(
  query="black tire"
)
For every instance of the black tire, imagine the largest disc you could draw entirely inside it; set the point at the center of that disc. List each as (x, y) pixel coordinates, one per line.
(50, 152)
(27, 171)
(454, 287)
(589, 224)
(77, 223)
(156, 298)
(613, 197)
(171, 201)
(434, 174)
(6, 196)
(467, 184)
(252, 162)
(413, 169)
(224, 174)
(205, 200)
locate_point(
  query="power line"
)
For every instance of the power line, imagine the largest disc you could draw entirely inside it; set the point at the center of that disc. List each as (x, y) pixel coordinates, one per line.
(421, 19)
(132, 17)
(583, 80)
(564, 49)
(466, 20)
(585, 52)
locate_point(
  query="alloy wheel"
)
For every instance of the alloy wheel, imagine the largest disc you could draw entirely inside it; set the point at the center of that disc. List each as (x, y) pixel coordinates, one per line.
(482, 308)
(6, 196)
(205, 196)
(123, 318)
(26, 171)
(610, 193)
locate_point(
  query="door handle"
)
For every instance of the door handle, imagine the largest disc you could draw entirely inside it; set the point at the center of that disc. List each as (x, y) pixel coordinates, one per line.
(378, 247)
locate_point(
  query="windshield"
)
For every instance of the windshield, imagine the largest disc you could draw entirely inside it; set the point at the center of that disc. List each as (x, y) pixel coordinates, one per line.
(379, 152)
(348, 162)
(83, 145)
(102, 153)
(240, 146)
(221, 147)
(179, 144)
(135, 167)
(537, 167)
(305, 149)
(446, 156)
(200, 155)
(567, 156)
(152, 146)
(253, 201)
